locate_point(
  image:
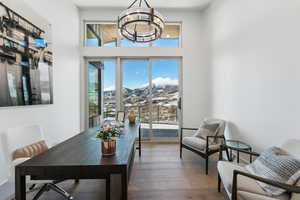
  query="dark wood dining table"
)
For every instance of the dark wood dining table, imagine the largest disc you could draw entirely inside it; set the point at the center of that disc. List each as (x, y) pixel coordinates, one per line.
(80, 158)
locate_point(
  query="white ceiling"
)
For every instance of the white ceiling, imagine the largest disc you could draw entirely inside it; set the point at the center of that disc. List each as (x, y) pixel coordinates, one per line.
(154, 3)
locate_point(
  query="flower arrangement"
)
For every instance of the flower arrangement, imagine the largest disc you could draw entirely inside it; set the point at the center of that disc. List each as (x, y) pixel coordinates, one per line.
(108, 133)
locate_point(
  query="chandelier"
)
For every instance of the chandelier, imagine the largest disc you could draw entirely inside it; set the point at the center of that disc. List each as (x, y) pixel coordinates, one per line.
(140, 24)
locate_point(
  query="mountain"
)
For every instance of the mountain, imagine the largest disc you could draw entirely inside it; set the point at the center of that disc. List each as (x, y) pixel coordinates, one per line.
(161, 87)
(157, 90)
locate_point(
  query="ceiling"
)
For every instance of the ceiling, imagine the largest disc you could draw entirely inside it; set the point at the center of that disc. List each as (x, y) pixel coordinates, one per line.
(190, 4)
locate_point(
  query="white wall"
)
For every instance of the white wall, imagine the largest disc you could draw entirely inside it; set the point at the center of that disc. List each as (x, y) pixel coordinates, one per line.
(62, 119)
(256, 72)
(196, 93)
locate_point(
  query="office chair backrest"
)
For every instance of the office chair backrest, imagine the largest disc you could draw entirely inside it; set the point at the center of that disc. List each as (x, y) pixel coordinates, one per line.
(20, 137)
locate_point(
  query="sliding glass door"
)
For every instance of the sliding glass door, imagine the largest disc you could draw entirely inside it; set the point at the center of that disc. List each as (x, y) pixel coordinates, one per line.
(148, 87)
(151, 90)
(109, 90)
(165, 98)
(94, 92)
(136, 91)
(101, 91)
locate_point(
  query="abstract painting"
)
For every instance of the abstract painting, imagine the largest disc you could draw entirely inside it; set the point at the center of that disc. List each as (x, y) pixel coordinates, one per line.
(25, 60)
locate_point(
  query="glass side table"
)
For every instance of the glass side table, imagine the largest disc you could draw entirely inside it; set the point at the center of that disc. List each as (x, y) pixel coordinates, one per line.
(240, 146)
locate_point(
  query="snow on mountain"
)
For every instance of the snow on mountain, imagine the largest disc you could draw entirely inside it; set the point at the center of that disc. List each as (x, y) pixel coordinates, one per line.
(110, 88)
(159, 82)
(162, 82)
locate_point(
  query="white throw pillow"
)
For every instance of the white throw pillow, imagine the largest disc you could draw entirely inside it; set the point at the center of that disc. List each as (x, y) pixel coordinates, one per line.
(208, 130)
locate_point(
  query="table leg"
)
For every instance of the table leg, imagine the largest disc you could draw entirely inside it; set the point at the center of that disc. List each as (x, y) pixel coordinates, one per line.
(20, 182)
(124, 184)
(238, 157)
(108, 187)
(231, 159)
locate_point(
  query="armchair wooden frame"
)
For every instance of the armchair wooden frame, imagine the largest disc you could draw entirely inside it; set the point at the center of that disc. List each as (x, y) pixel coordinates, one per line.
(204, 154)
(236, 173)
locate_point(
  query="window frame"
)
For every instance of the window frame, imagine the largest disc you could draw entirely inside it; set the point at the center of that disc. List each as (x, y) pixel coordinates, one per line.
(99, 71)
(97, 22)
(119, 38)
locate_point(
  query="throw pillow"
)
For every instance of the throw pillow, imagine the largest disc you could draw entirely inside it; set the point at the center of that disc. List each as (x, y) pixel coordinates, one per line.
(277, 165)
(208, 130)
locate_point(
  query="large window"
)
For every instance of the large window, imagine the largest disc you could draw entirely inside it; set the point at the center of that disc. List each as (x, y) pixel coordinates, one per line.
(170, 37)
(101, 35)
(106, 34)
(151, 91)
(149, 87)
(94, 88)
(109, 100)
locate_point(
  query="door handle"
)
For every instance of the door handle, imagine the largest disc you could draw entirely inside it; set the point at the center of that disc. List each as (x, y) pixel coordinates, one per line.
(179, 103)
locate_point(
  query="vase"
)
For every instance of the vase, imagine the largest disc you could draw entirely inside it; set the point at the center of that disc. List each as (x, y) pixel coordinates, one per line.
(132, 117)
(108, 147)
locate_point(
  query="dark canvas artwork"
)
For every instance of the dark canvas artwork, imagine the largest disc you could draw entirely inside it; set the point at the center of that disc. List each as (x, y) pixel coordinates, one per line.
(25, 61)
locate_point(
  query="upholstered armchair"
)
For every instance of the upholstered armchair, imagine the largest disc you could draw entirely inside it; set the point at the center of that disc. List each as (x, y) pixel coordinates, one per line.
(202, 145)
(240, 184)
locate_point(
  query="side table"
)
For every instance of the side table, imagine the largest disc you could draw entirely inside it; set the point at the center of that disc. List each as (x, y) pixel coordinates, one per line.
(238, 145)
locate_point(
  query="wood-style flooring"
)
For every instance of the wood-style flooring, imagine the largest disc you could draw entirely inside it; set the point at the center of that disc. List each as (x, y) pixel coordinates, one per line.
(158, 175)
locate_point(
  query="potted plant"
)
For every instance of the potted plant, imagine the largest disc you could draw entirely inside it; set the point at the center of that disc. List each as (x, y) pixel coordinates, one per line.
(108, 136)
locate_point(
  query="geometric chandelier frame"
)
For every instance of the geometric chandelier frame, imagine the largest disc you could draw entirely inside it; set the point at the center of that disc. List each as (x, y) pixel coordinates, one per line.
(141, 24)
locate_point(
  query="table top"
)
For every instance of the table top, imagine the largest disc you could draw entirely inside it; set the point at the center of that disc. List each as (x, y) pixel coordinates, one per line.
(84, 149)
(237, 144)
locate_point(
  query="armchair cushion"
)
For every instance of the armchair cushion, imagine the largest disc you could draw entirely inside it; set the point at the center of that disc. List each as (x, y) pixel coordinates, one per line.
(244, 183)
(248, 188)
(242, 195)
(198, 143)
(277, 165)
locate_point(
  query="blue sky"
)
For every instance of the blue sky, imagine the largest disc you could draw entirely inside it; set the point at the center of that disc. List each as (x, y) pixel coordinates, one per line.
(135, 73)
(125, 43)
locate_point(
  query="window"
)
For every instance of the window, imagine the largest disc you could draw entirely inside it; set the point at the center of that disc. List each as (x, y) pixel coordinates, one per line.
(170, 37)
(106, 34)
(98, 35)
(109, 100)
(127, 43)
(94, 91)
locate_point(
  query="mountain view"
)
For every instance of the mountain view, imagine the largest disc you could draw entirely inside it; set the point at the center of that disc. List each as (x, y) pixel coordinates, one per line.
(164, 101)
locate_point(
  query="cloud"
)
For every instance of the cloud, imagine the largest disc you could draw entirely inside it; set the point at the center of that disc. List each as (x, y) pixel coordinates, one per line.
(110, 88)
(162, 82)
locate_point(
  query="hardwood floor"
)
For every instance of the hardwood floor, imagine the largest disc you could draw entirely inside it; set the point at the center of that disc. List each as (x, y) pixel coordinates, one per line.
(158, 175)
